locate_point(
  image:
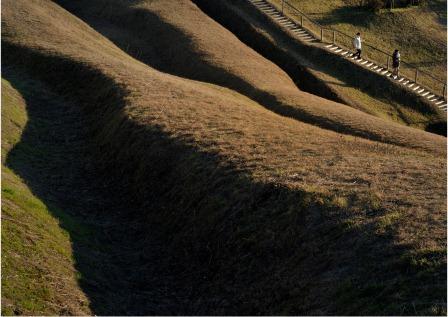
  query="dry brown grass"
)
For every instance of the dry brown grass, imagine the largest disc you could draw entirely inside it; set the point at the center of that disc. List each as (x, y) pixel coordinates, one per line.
(213, 54)
(323, 73)
(174, 136)
(422, 36)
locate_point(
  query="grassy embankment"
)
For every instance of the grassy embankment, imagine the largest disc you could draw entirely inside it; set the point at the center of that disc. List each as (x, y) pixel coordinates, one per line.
(134, 27)
(269, 215)
(361, 89)
(70, 243)
(419, 32)
(38, 274)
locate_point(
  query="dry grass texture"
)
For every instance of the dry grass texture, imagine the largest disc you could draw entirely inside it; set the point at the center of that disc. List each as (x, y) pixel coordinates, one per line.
(213, 54)
(222, 167)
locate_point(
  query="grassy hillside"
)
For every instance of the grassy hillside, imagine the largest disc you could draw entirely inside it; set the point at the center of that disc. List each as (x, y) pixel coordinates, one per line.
(258, 213)
(62, 253)
(38, 274)
(319, 72)
(140, 29)
(418, 32)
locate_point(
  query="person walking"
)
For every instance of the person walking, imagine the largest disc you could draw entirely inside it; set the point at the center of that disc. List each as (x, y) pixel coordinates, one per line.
(357, 43)
(396, 63)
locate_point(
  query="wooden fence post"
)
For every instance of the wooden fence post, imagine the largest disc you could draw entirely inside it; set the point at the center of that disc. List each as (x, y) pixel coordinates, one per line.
(388, 62)
(444, 91)
(334, 37)
(321, 34)
(301, 20)
(416, 75)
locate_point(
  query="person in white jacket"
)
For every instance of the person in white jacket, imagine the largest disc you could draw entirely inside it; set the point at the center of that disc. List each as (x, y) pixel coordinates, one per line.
(357, 43)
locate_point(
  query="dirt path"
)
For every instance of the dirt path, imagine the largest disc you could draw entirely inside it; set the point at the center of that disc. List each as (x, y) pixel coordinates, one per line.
(124, 270)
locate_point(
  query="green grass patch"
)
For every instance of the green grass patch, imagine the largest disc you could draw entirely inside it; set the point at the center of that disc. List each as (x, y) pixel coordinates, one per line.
(37, 255)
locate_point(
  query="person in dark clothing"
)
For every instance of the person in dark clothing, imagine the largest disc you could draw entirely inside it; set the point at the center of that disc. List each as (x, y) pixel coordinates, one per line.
(396, 64)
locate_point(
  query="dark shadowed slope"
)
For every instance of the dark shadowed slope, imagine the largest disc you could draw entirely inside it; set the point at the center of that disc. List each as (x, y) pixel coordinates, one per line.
(258, 213)
(69, 244)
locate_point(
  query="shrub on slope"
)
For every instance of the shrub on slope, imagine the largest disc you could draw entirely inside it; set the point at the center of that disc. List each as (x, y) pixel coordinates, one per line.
(275, 215)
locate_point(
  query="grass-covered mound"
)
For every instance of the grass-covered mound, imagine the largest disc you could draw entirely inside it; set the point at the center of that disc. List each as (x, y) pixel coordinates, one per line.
(323, 73)
(149, 31)
(261, 214)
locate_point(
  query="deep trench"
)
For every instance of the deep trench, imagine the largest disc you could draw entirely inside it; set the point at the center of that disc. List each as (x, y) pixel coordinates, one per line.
(126, 268)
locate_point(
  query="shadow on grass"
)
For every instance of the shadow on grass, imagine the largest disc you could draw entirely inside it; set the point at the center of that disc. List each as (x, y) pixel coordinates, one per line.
(186, 233)
(139, 29)
(118, 263)
(440, 8)
(354, 15)
(135, 30)
(288, 56)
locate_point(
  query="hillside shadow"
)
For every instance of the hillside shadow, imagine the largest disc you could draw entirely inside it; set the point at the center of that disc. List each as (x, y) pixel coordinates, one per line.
(119, 263)
(146, 37)
(175, 237)
(440, 8)
(136, 31)
(357, 16)
(289, 56)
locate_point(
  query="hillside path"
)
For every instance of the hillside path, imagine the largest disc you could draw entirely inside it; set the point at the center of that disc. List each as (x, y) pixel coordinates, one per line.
(304, 35)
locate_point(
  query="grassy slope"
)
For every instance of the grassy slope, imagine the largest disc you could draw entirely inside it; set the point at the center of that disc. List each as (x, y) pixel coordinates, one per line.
(419, 32)
(136, 27)
(253, 186)
(371, 94)
(53, 158)
(38, 275)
